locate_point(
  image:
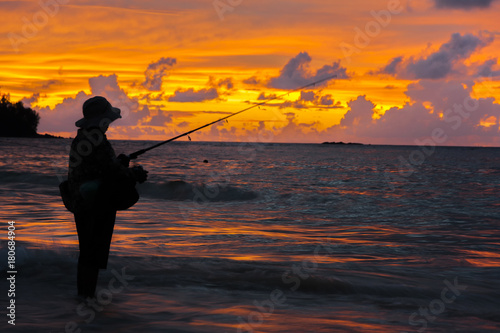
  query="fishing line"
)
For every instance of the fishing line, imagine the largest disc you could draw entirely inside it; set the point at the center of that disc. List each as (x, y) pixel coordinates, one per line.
(134, 155)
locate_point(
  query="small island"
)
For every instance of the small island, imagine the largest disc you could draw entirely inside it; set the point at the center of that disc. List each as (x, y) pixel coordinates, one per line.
(343, 143)
(18, 121)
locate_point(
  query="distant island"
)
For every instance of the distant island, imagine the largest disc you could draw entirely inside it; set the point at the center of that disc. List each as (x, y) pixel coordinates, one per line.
(18, 121)
(343, 143)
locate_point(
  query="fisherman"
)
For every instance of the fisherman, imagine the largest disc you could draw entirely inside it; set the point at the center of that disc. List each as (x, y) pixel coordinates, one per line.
(96, 178)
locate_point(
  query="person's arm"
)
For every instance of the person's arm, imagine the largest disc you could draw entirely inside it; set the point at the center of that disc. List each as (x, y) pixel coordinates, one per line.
(117, 167)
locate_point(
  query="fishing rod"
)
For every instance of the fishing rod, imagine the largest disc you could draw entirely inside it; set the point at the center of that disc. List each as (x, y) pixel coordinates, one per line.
(134, 155)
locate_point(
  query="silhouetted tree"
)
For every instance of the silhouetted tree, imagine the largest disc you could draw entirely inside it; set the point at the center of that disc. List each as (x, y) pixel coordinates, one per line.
(16, 120)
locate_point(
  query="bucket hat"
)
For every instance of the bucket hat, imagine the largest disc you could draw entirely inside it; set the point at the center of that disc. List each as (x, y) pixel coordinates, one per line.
(98, 112)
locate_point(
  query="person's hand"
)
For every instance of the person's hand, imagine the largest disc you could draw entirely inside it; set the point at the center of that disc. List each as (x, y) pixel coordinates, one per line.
(124, 160)
(140, 174)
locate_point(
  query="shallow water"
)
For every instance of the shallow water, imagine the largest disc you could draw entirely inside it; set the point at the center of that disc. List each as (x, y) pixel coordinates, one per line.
(266, 238)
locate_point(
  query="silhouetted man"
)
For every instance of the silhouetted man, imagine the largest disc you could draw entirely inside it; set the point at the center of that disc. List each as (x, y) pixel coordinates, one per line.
(96, 180)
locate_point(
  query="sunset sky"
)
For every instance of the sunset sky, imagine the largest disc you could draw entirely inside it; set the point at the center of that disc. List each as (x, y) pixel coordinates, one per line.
(408, 72)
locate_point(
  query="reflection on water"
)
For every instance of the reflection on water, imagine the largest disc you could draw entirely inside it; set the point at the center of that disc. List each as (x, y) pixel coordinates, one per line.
(348, 251)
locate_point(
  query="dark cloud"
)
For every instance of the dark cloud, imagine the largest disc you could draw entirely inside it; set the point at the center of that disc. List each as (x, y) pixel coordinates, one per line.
(463, 4)
(486, 69)
(307, 96)
(316, 100)
(307, 99)
(31, 100)
(150, 97)
(155, 73)
(296, 73)
(191, 95)
(327, 100)
(44, 85)
(441, 64)
(293, 104)
(226, 83)
(390, 68)
(161, 119)
(264, 97)
(252, 80)
(36, 86)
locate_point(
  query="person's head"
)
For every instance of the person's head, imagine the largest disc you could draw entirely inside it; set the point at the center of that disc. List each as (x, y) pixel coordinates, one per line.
(98, 112)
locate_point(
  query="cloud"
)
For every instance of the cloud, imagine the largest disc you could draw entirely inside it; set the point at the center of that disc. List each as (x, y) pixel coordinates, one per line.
(191, 95)
(292, 104)
(142, 131)
(264, 97)
(307, 99)
(486, 70)
(327, 100)
(155, 73)
(446, 61)
(226, 83)
(151, 97)
(307, 96)
(161, 119)
(390, 68)
(296, 73)
(463, 4)
(359, 114)
(31, 100)
(252, 80)
(317, 100)
(213, 91)
(48, 83)
(300, 132)
(64, 115)
(446, 106)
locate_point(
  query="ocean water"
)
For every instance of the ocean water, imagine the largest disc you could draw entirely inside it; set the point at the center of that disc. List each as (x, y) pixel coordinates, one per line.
(264, 238)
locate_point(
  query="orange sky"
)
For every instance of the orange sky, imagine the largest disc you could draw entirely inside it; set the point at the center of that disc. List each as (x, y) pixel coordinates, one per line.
(173, 67)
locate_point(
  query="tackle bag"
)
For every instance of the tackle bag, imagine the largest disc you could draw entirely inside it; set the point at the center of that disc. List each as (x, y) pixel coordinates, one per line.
(118, 194)
(66, 196)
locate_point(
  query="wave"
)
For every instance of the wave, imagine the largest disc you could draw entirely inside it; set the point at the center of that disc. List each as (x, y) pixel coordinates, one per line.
(29, 178)
(171, 190)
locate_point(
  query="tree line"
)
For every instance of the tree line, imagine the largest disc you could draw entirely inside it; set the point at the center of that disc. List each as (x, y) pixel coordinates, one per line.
(17, 120)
